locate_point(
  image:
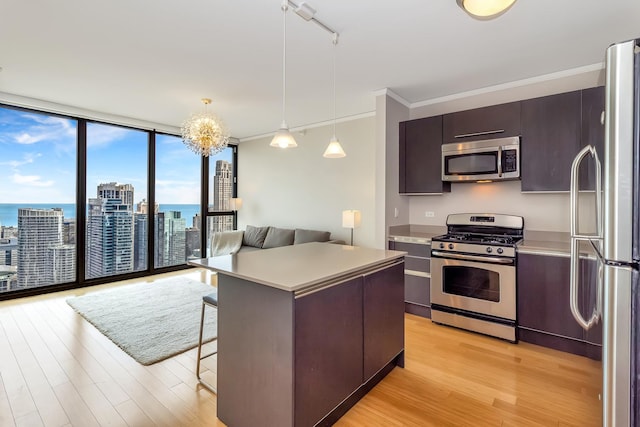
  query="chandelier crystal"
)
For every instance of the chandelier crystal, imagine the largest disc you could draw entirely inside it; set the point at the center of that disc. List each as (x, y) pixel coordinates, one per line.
(204, 133)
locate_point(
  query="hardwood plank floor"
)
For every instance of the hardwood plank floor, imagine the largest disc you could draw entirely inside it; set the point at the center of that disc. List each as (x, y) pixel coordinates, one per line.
(58, 370)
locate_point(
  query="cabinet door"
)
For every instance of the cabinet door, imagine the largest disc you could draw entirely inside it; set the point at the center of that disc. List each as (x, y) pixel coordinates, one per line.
(550, 141)
(417, 290)
(421, 156)
(592, 132)
(328, 349)
(383, 317)
(496, 121)
(543, 295)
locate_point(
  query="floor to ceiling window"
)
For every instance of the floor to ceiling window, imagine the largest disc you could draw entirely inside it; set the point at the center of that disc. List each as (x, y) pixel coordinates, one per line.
(37, 199)
(222, 184)
(84, 202)
(178, 194)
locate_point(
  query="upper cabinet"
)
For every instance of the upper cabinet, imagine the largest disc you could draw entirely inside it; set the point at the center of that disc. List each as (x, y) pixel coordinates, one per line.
(421, 157)
(551, 128)
(592, 133)
(496, 121)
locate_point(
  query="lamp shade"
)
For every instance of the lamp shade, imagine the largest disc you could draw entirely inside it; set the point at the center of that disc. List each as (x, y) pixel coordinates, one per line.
(235, 203)
(485, 9)
(283, 138)
(350, 219)
(334, 150)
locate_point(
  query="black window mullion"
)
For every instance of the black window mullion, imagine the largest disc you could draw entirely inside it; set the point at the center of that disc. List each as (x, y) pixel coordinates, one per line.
(81, 202)
(204, 206)
(151, 199)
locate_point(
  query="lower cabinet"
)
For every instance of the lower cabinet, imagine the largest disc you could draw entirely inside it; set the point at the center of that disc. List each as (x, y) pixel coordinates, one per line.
(360, 324)
(544, 313)
(417, 278)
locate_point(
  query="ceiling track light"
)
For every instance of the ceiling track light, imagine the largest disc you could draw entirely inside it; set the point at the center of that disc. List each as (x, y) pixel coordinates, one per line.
(485, 9)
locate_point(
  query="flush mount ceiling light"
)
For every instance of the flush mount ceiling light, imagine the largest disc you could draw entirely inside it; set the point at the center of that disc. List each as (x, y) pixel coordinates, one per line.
(204, 133)
(283, 137)
(485, 9)
(334, 149)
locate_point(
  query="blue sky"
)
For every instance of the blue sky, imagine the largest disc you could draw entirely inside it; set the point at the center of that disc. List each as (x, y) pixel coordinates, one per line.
(38, 161)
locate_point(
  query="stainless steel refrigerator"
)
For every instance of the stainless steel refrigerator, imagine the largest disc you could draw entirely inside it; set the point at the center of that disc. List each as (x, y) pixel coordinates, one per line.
(614, 239)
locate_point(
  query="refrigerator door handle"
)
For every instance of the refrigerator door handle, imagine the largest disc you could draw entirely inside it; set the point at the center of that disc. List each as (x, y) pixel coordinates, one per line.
(576, 238)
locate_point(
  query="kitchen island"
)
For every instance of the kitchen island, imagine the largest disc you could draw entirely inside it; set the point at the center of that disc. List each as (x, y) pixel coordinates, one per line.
(304, 331)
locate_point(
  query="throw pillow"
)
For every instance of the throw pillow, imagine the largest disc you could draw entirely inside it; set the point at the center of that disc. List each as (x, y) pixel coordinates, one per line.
(254, 236)
(305, 236)
(277, 237)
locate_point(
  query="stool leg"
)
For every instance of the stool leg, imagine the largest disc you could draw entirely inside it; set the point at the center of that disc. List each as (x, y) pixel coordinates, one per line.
(200, 380)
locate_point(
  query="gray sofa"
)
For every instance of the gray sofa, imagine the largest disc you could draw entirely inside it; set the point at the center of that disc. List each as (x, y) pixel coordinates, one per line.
(257, 238)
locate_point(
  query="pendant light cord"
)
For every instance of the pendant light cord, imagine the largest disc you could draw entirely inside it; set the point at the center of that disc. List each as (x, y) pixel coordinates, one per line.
(285, 6)
(335, 44)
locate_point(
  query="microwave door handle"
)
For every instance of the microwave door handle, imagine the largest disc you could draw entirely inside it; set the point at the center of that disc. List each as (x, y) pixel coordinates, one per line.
(500, 161)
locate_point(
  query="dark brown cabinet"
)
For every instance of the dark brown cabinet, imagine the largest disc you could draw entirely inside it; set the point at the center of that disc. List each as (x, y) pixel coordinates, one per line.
(420, 157)
(383, 318)
(551, 132)
(325, 378)
(417, 277)
(544, 313)
(592, 132)
(496, 121)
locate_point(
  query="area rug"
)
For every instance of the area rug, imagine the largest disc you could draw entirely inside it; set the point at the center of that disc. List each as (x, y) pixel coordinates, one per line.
(150, 321)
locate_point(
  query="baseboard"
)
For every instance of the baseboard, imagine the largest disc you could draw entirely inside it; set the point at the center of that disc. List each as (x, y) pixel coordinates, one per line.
(418, 310)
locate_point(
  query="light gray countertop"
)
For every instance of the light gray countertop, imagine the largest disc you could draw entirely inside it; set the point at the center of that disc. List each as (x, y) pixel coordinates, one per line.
(552, 243)
(298, 267)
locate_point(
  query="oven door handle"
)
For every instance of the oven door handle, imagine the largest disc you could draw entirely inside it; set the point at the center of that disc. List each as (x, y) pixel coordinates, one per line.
(464, 257)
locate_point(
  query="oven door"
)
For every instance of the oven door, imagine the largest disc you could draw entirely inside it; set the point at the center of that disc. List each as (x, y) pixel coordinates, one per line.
(479, 287)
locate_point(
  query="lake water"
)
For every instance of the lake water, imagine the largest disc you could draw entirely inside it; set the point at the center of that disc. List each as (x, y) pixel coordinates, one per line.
(9, 211)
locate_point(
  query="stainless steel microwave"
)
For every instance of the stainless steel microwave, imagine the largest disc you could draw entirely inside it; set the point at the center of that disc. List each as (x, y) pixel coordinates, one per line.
(488, 160)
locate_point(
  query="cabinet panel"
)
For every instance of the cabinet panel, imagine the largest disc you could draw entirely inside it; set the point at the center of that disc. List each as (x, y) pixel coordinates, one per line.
(383, 317)
(592, 132)
(417, 263)
(420, 156)
(415, 249)
(328, 373)
(551, 128)
(543, 295)
(417, 290)
(496, 121)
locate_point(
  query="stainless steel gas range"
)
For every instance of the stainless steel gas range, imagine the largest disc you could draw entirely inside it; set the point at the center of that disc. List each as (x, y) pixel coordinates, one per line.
(473, 273)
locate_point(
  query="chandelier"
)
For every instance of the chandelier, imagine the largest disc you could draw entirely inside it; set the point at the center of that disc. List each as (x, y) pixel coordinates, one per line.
(204, 133)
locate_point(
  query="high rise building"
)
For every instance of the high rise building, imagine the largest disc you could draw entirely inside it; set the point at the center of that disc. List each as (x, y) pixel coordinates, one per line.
(113, 190)
(174, 238)
(110, 234)
(62, 259)
(158, 260)
(69, 231)
(39, 230)
(222, 193)
(140, 240)
(192, 238)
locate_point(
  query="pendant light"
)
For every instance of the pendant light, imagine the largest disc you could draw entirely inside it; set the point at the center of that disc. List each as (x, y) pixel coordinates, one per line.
(485, 9)
(283, 137)
(334, 149)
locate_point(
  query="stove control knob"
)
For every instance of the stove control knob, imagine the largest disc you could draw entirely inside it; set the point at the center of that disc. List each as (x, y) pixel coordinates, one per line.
(451, 246)
(500, 250)
(489, 250)
(441, 245)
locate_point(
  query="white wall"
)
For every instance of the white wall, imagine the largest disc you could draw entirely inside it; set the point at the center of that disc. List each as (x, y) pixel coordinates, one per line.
(298, 188)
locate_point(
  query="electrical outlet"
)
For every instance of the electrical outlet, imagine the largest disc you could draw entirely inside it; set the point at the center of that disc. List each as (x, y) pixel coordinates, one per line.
(395, 212)
(429, 214)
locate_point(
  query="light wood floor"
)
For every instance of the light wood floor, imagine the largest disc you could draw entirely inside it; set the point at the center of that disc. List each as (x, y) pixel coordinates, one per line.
(57, 370)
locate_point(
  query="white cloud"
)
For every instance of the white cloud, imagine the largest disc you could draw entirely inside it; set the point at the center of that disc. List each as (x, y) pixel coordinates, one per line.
(46, 128)
(103, 135)
(26, 159)
(31, 180)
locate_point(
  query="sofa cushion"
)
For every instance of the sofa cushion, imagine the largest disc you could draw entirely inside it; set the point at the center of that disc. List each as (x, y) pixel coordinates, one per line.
(254, 236)
(305, 236)
(277, 237)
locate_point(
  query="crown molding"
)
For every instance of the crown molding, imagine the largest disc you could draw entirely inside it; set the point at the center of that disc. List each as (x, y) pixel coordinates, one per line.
(391, 94)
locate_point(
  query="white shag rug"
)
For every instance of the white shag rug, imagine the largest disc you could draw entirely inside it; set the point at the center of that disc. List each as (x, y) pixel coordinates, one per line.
(150, 321)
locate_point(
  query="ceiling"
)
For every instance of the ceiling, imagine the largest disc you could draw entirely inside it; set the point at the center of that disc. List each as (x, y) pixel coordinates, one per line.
(154, 60)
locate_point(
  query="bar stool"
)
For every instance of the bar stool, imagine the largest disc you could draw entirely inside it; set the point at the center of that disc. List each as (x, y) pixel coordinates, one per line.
(210, 300)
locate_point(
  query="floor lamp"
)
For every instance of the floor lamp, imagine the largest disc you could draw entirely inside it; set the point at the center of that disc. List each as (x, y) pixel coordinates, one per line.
(351, 219)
